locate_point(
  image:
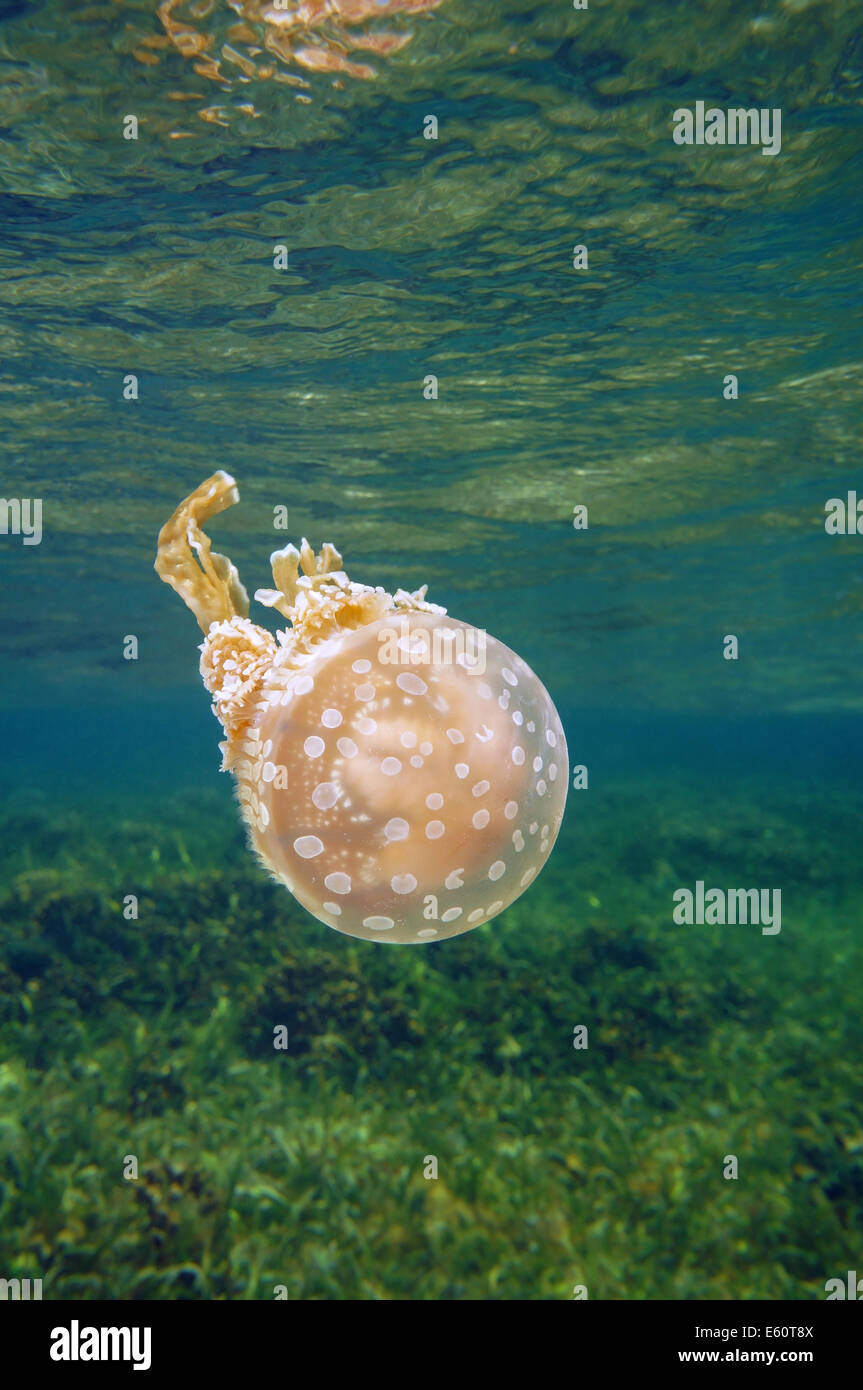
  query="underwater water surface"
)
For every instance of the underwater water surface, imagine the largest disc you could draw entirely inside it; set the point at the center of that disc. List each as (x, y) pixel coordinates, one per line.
(603, 387)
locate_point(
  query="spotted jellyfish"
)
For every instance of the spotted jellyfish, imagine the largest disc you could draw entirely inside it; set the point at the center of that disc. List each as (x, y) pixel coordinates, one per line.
(402, 773)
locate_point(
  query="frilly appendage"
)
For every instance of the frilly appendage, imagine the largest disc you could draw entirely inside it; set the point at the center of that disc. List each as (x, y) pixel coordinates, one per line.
(312, 592)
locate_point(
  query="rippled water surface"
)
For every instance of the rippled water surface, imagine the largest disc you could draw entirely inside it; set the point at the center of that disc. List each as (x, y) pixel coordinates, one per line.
(453, 257)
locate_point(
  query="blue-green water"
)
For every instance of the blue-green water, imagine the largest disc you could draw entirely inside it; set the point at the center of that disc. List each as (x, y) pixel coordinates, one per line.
(557, 387)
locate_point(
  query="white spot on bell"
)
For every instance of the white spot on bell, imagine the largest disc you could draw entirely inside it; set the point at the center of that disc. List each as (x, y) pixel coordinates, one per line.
(396, 829)
(411, 684)
(325, 795)
(403, 883)
(338, 883)
(308, 846)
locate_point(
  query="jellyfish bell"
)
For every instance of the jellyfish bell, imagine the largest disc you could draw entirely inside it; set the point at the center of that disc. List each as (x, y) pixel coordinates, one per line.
(418, 808)
(401, 772)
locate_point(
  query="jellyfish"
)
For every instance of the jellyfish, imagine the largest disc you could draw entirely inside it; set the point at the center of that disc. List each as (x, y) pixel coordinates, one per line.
(402, 773)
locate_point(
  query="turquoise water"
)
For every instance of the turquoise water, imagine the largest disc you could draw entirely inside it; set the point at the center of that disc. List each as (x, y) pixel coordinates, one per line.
(557, 388)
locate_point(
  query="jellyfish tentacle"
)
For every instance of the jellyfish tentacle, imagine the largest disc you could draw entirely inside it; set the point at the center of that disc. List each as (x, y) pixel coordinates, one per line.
(208, 583)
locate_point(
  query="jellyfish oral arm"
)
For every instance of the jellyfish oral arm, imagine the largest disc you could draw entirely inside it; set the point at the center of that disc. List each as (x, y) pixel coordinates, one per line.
(207, 583)
(311, 591)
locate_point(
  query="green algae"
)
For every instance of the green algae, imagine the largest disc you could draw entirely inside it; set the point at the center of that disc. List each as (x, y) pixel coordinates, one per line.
(305, 1167)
